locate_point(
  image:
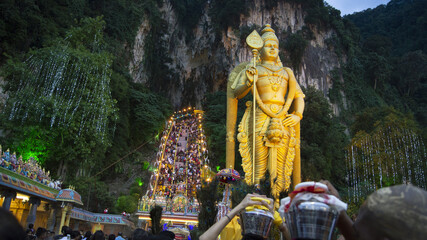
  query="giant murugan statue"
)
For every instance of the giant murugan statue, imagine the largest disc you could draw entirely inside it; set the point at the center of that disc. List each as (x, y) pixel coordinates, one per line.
(275, 117)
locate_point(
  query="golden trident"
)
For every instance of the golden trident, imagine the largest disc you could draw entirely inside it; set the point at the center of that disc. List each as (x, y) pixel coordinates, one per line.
(255, 42)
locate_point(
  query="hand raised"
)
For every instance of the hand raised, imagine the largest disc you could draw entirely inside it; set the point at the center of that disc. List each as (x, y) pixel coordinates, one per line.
(250, 73)
(331, 188)
(247, 201)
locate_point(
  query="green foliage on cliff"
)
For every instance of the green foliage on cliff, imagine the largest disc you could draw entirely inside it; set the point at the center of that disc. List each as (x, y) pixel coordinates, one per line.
(188, 13)
(323, 141)
(393, 54)
(149, 112)
(214, 120)
(387, 149)
(226, 13)
(295, 45)
(156, 58)
(402, 22)
(50, 28)
(372, 119)
(34, 24)
(55, 90)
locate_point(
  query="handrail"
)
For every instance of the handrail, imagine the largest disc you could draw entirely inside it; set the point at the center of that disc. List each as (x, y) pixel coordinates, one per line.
(160, 162)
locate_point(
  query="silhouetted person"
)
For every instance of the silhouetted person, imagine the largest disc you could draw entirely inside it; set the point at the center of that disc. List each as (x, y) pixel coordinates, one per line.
(41, 233)
(98, 235)
(65, 231)
(120, 236)
(168, 234)
(87, 236)
(75, 235)
(10, 229)
(31, 228)
(139, 234)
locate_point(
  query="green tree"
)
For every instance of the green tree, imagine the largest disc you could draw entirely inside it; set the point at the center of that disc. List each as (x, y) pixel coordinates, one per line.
(412, 69)
(295, 45)
(226, 13)
(149, 111)
(127, 203)
(208, 196)
(378, 69)
(94, 192)
(385, 150)
(188, 13)
(63, 89)
(215, 126)
(323, 141)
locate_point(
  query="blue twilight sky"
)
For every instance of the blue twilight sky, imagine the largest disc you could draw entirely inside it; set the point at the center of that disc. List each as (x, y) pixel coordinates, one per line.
(351, 6)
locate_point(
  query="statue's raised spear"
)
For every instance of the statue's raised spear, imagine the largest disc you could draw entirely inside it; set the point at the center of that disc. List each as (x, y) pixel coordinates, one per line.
(255, 42)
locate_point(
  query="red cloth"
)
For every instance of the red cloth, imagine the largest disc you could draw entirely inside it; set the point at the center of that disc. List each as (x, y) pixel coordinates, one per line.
(311, 189)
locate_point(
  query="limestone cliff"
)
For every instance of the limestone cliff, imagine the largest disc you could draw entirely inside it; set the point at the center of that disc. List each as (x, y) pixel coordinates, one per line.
(202, 64)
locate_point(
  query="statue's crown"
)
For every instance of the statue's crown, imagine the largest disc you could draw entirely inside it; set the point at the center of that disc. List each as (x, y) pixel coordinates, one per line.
(268, 34)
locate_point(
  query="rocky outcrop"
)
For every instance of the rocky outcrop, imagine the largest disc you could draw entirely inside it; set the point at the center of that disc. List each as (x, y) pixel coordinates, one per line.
(202, 64)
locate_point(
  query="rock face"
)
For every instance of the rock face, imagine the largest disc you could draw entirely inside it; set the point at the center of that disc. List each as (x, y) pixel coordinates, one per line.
(202, 64)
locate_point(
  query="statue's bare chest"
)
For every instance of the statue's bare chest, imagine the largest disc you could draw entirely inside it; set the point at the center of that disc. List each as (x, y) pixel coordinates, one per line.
(275, 79)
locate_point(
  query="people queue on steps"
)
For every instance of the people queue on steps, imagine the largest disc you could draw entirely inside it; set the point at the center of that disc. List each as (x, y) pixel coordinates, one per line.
(179, 163)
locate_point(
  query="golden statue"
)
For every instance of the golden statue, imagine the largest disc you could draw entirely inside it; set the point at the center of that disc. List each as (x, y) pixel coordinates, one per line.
(278, 111)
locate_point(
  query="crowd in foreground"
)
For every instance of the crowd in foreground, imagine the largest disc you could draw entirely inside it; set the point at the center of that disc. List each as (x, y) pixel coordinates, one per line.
(10, 229)
(391, 213)
(394, 213)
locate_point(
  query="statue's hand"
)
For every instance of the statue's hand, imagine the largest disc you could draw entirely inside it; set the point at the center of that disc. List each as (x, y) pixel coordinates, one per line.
(291, 120)
(250, 73)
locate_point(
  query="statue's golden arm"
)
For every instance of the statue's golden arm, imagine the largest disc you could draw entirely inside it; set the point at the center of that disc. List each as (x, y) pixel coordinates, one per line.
(297, 108)
(299, 105)
(232, 101)
(242, 85)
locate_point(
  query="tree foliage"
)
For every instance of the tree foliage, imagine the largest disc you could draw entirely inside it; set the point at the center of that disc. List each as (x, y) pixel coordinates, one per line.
(323, 140)
(295, 45)
(226, 13)
(127, 203)
(63, 89)
(208, 196)
(399, 21)
(188, 13)
(393, 54)
(386, 150)
(149, 112)
(215, 126)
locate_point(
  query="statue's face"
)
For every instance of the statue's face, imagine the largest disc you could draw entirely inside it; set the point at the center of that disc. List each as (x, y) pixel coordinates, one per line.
(270, 51)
